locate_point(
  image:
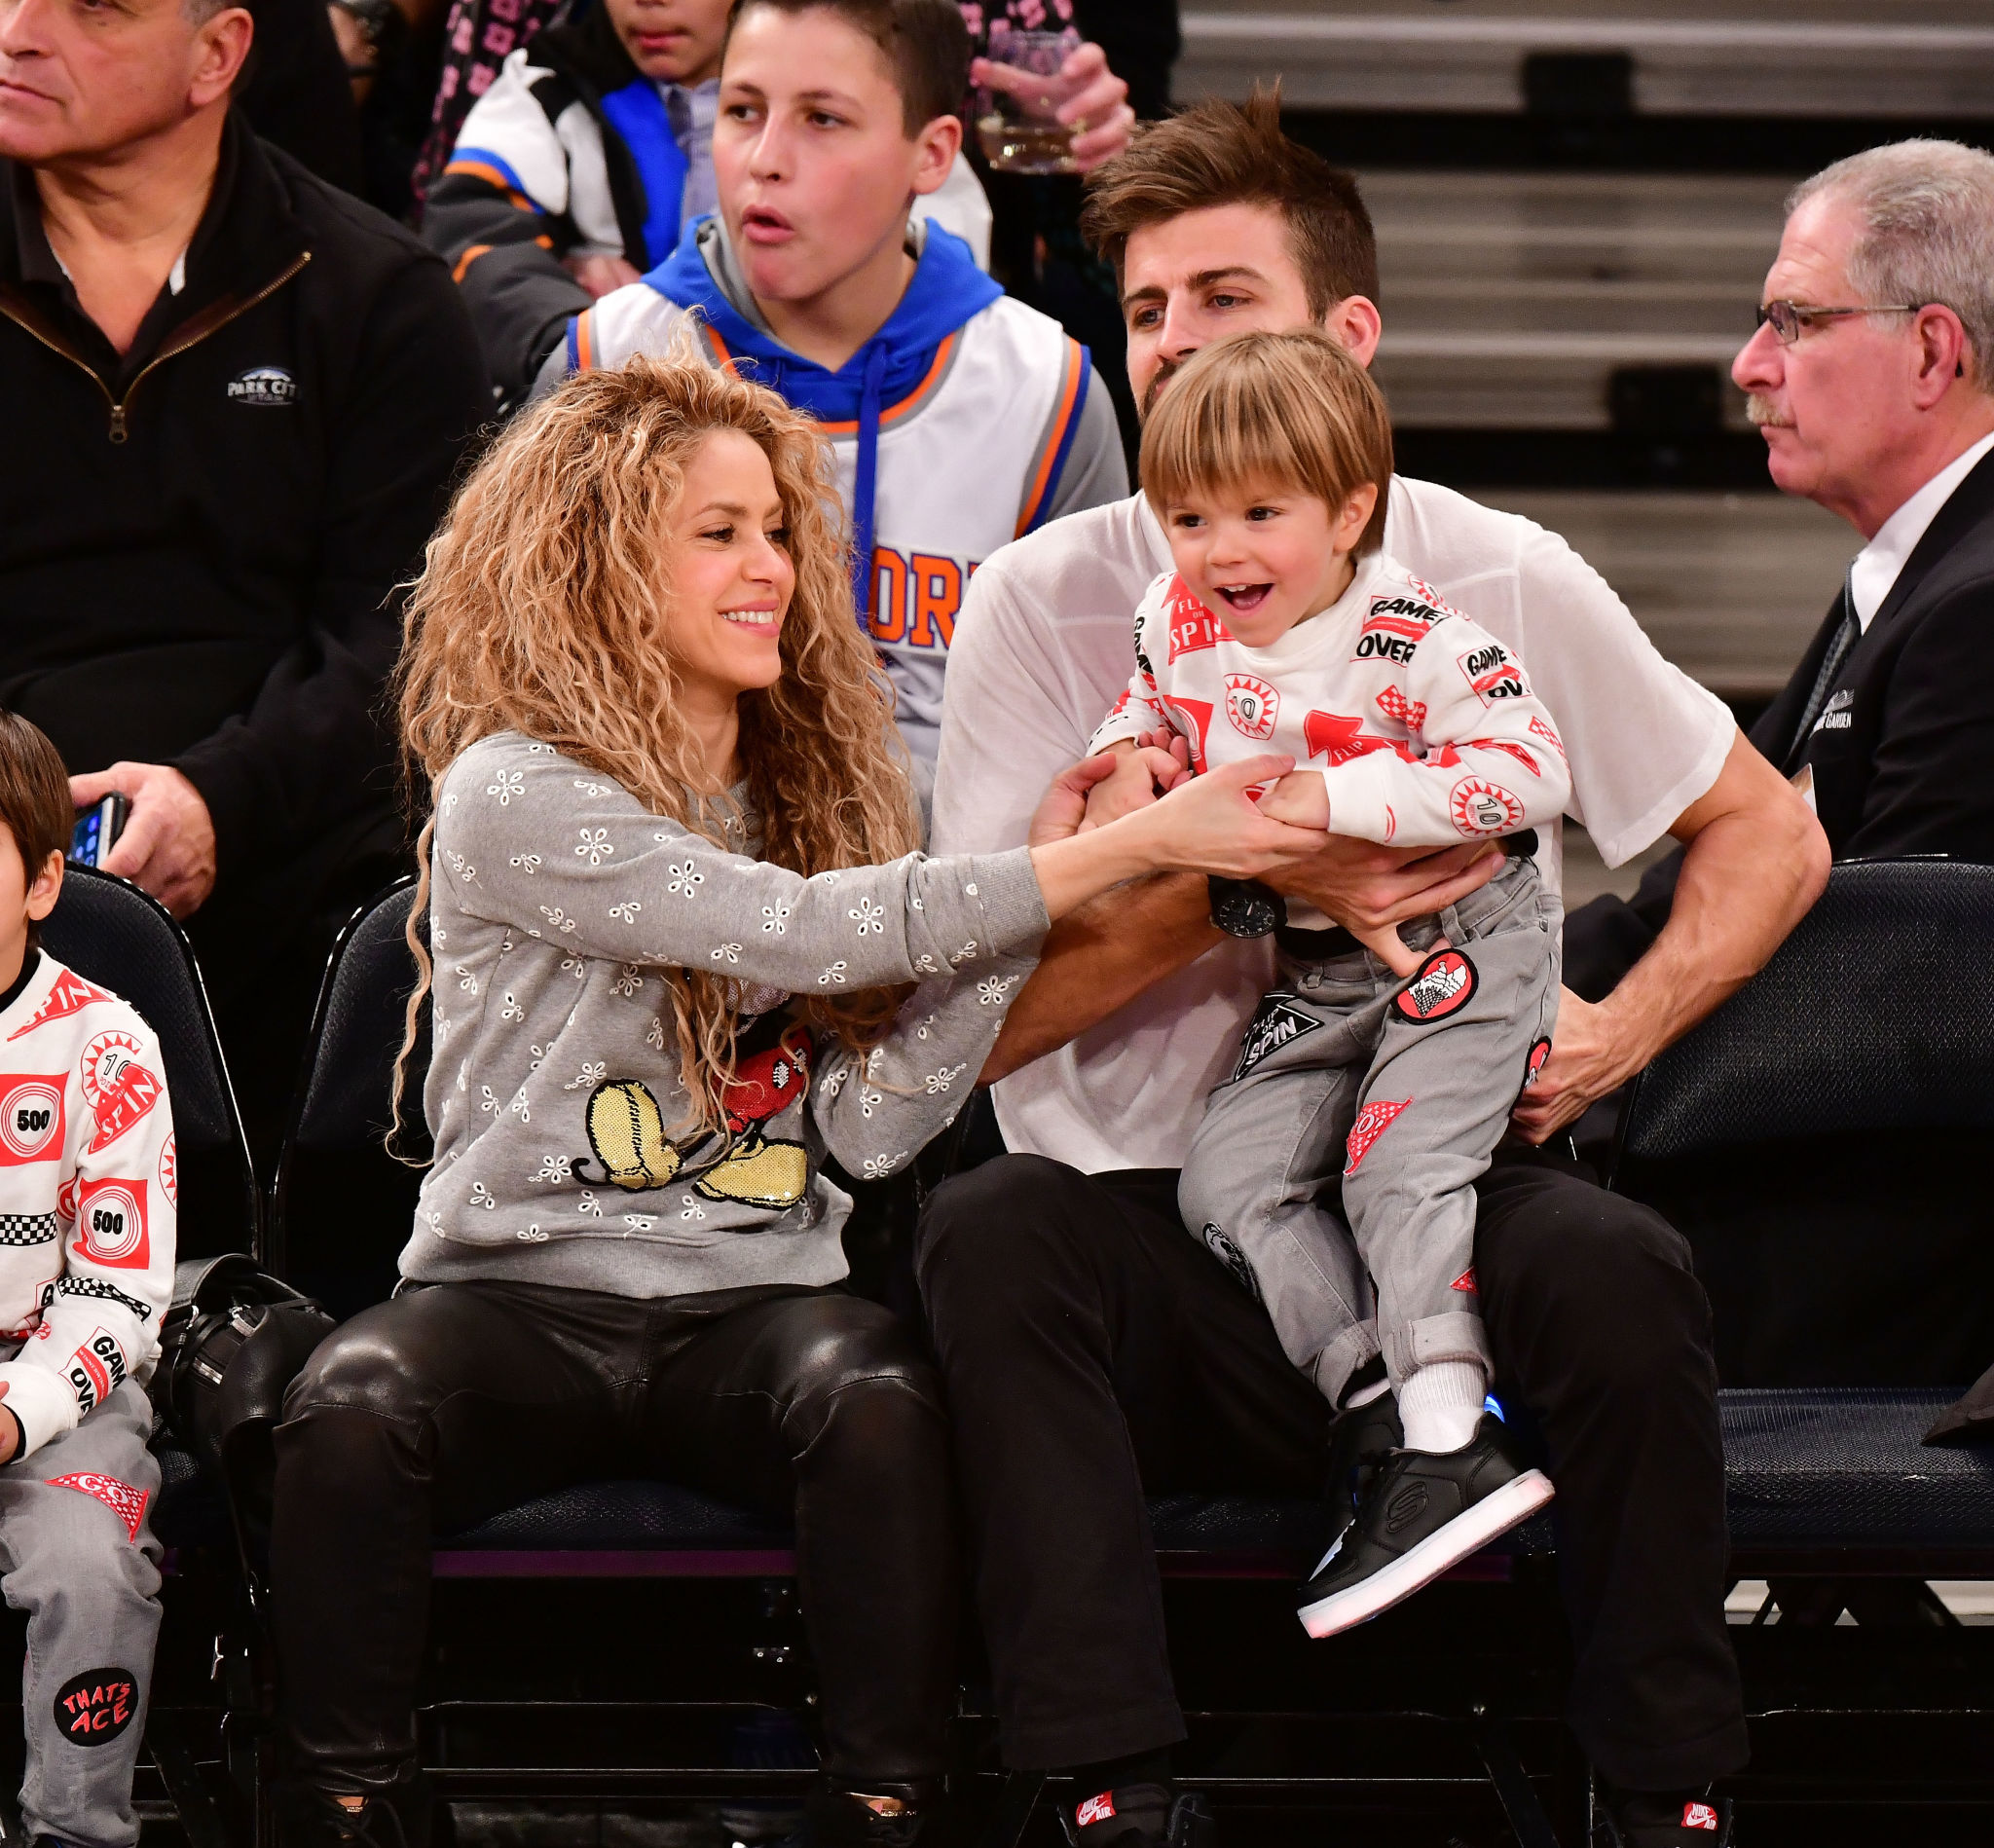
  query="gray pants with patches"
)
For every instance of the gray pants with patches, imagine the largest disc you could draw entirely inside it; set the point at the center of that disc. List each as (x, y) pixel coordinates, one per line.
(77, 1554)
(1401, 1090)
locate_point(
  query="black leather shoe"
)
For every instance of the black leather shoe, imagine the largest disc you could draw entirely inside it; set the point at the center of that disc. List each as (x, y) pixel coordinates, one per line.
(400, 1815)
(1421, 1514)
(1634, 1820)
(882, 1814)
(1138, 1816)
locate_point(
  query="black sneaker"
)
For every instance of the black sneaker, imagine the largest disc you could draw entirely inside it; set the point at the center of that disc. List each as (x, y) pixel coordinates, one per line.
(1138, 1816)
(1632, 1819)
(880, 1816)
(1419, 1515)
(1359, 1442)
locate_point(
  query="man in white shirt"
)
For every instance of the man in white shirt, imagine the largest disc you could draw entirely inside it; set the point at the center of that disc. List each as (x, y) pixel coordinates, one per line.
(1093, 1348)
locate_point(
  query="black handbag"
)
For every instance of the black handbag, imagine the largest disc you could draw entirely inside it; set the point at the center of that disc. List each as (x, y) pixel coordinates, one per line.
(231, 1343)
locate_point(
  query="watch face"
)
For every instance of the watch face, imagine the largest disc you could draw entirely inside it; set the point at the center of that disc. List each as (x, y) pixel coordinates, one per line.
(1241, 907)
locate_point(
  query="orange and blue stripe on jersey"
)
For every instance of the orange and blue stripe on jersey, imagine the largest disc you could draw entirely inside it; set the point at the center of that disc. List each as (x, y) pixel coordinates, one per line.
(1058, 441)
(481, 164)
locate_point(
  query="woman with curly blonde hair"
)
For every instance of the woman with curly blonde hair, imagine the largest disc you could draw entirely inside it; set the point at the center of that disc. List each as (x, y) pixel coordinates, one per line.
(682, 948)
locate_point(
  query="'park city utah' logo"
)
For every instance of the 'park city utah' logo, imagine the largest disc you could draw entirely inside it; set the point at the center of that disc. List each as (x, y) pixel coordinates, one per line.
(270, 387)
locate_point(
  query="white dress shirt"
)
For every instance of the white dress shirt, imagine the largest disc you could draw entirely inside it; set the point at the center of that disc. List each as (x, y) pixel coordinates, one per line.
(1877, 565)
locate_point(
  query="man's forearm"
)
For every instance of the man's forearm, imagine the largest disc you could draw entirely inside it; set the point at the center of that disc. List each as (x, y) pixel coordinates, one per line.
(1099, 957)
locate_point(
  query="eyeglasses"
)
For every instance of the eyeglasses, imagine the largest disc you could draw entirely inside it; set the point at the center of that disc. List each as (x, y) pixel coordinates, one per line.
(1789, 320)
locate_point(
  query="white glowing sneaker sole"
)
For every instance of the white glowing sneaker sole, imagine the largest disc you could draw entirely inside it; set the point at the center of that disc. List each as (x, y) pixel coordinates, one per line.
(1440, 1551)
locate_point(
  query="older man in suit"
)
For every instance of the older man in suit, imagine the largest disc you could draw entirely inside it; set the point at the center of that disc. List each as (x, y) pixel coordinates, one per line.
(1871, 377)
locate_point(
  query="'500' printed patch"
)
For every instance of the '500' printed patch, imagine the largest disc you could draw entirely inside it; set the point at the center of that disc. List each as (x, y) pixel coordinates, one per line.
(110, 1216)
(31, 1119)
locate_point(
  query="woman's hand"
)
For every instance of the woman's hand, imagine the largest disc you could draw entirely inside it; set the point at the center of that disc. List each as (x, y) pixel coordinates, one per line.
(1207, 825)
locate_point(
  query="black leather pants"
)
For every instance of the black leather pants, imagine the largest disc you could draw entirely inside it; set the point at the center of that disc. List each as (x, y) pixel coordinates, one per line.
(425, 1414)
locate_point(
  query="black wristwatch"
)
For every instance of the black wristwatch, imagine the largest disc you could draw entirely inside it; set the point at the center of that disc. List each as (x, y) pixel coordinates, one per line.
(1244, 908)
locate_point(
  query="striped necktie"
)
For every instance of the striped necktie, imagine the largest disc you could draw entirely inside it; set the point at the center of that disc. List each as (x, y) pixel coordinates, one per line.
(1848, 632)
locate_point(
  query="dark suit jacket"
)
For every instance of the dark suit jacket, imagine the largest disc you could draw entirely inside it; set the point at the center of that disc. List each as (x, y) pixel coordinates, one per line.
(1904, 763)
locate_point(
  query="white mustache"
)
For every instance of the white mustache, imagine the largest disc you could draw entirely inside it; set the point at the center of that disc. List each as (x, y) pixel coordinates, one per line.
(1761, 414)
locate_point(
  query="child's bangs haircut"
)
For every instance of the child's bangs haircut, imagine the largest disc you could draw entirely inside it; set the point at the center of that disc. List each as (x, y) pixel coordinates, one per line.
(924, 42)
(34, 795)
(1289, 410)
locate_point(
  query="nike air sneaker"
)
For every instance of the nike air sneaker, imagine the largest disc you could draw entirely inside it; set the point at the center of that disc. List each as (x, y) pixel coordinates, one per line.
(1633, 1820)
(1421, 1514)
(1138, 1816)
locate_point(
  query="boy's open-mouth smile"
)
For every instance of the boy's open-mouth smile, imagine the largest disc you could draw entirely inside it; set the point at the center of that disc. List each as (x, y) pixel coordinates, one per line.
(1244, 598)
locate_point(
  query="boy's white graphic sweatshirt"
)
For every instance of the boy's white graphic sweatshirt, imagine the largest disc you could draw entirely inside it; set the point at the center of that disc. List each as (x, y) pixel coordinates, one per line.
(87, 1197)
(1423, 724)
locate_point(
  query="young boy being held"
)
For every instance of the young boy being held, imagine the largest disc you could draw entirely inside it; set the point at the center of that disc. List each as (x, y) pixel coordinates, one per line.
(86, 1225)
(1396, 1057)
(959, 417)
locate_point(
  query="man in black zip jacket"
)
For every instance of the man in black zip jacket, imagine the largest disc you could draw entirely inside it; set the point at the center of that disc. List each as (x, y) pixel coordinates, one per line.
(237, 397)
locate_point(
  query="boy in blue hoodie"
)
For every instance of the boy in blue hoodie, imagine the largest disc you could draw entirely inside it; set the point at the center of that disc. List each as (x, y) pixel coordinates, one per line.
(960, 418)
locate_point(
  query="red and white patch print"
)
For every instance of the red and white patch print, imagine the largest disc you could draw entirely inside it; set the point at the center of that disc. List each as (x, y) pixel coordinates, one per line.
(1192, 718)
(31, 1118)
(71, 994)
(111, 1219)
(1698, 1816)
(169, 1171)
(1339, 739)
(1492, 673)
(1410, 713)
(1194, 625)
(118, 1090)
(1540, 1051)
(1465, 1283)
(1097, 1809)
(94, 1371)
(1538, 729)
(1443, 984)
(1372, 1122)
(1478, 806)
(124, 1500)
(1252, 705)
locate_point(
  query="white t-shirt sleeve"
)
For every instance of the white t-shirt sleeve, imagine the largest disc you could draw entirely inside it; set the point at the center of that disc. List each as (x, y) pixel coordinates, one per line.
(1644, 740)
(1009, 723)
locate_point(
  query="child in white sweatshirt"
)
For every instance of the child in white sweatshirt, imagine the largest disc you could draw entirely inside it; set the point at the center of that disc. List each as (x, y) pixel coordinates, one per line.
(1388, 1061)
(86, 1225)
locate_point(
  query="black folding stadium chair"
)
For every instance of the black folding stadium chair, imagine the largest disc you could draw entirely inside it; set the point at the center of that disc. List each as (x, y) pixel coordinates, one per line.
(342, 1206)
(122, 938)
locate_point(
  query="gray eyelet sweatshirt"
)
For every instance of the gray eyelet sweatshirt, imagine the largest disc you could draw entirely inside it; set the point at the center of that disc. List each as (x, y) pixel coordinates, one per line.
(565, 1149)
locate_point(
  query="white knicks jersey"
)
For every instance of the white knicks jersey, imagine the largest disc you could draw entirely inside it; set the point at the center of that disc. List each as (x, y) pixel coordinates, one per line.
(969, 460)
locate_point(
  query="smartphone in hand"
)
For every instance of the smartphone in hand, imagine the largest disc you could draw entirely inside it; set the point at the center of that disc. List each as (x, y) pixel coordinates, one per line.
(98, 828)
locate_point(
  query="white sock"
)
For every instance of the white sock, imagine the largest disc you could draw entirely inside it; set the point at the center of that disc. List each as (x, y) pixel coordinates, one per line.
(1441, 1405)
(1364, 1395)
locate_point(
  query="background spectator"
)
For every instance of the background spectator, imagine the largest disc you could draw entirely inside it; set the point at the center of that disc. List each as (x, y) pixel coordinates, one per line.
(247, 393)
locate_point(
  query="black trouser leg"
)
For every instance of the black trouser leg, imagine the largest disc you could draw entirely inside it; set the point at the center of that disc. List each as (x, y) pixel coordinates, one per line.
(417, 1417)
(823, 1403)
(1092, 1349)
(1599, 1324)
(422, 1414)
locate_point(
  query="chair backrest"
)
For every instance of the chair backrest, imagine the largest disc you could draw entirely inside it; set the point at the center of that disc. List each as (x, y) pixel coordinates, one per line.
(123, 940)
(341, 1205)
(1876, 1013)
